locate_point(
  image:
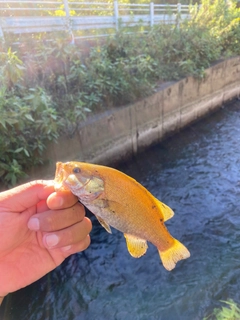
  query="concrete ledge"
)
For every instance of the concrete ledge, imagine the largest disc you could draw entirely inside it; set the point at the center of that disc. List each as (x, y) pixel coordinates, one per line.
(122, 132)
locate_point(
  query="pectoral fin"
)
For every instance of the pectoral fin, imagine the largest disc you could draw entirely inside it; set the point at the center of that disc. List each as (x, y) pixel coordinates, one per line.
(137, 247)
(104, 224)
(166, 211)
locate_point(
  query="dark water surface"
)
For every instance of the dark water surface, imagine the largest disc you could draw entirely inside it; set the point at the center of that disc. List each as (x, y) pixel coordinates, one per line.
(197, 174)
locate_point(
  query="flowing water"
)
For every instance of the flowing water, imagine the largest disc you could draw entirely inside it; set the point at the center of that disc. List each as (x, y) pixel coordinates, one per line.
(196, 172)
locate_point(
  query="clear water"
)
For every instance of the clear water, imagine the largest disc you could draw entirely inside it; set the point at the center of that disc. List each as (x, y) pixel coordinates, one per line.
(196, 172)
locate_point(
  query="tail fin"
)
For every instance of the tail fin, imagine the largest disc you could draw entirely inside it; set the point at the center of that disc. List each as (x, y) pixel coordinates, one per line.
(174, 254)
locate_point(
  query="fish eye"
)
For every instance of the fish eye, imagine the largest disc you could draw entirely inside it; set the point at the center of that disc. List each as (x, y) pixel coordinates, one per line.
(76, 170)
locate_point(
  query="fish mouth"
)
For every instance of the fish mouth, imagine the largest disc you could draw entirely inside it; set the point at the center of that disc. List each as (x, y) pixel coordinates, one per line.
(64, 181)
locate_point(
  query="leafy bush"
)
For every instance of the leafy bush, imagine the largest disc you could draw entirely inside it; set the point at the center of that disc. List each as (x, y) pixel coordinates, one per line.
(120, 80)
(182, 52)
(26, 124)
(11, 68)
(49, 87)
(222, 19)
(230, 38)
(232, 312)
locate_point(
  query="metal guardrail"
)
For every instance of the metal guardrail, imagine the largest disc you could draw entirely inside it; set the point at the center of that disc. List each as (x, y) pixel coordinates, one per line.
(26, 16)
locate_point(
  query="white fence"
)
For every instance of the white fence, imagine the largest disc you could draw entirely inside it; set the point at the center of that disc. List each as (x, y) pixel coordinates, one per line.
(46, 16)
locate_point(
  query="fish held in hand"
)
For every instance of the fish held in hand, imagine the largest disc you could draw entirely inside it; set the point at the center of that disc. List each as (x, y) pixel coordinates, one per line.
(119, 201)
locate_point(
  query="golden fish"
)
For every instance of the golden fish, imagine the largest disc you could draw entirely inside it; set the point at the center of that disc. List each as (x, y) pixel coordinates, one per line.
(119, 201)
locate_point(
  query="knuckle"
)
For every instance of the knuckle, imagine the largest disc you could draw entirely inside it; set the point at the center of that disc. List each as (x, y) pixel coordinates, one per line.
(78, 211)
(69, 236)
(84, 244)
(87, 242)
(49, 223)
(88, 224)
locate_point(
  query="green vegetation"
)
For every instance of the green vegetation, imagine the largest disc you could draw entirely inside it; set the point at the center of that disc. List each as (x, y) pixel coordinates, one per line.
(48, 88)
(232, 312)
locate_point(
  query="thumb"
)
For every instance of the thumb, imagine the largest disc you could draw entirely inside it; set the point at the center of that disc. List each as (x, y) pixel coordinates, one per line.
(26, 195)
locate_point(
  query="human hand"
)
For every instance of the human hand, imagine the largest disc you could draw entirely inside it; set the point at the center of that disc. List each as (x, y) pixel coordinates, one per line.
(39, 228)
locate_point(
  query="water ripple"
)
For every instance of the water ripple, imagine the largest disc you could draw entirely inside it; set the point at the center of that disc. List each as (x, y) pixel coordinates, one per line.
(195, 172)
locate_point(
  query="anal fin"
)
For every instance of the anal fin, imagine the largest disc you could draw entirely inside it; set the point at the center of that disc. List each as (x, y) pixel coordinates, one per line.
(104, 224)
(137, 247)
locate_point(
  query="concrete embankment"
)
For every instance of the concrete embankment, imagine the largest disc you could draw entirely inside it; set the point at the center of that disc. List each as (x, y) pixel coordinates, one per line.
(123, 131)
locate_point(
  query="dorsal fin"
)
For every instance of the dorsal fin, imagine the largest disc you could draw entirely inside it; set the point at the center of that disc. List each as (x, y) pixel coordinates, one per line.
(166, 211)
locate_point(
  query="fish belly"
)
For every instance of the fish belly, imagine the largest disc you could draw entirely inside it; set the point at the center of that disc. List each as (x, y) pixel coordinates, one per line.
(140, 225)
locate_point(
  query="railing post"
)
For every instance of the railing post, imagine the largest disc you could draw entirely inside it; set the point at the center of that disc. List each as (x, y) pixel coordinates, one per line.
(1, 33)
(66, 8)
(116, 14)
(151, 14)
(68, 20)
(178, 14)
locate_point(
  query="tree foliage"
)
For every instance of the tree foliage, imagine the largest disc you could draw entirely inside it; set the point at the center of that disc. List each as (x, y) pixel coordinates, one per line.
(48, 88)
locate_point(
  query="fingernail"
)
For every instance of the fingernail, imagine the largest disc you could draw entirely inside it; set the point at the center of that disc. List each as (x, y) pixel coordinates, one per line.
(66, 248)
(52, 240)
(56, 202)
(60, 201)
(33, 224)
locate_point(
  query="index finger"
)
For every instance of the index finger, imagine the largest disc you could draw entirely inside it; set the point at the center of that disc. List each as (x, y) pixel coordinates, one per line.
(26, 195)
(61, 200)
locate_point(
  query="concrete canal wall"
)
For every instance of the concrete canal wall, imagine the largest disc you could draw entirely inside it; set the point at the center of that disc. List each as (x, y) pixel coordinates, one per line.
(122, 132)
